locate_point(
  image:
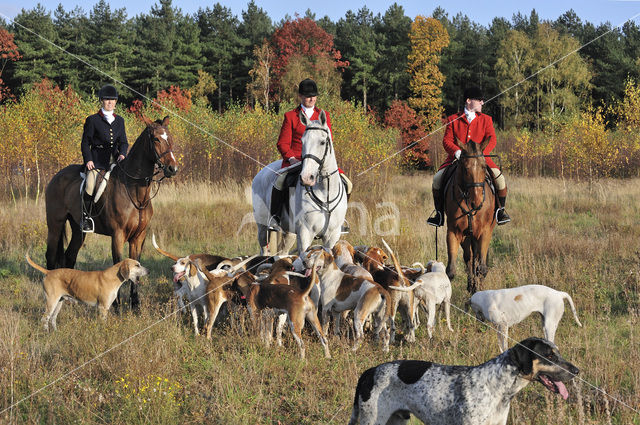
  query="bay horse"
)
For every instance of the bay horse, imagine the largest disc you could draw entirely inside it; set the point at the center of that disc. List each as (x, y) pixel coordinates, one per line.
(319, 205)
(469, 206)
(123, 211)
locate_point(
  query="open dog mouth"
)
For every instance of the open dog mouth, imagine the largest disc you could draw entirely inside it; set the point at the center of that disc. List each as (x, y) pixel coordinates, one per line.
(177, 277)
(554, 386)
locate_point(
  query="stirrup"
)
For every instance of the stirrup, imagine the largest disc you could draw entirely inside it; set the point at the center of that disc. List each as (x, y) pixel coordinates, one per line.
(345, 228)
(273, 224)
(437, 220)
(502, 217)
(87, 225)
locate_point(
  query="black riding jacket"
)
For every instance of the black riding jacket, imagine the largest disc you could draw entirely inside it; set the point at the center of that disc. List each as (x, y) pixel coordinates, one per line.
(101, 140)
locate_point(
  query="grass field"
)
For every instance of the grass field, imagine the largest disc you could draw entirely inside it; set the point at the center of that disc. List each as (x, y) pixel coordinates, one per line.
(150, 368)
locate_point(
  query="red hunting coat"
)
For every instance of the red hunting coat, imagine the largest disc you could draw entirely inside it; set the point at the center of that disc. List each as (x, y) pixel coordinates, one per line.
(290, 140)
(458, 126)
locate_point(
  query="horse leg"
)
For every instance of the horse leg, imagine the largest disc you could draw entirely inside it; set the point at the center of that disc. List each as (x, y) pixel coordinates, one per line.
(55, 246)
(117, 242)
(468, 260)
(262, 239)
(453, 241)
(483, 268)
(135, 251)
(288, 239)
(77, 239)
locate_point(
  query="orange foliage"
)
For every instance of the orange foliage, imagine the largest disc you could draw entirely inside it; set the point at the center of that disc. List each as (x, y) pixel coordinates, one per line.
(411, 126)
(176, 97)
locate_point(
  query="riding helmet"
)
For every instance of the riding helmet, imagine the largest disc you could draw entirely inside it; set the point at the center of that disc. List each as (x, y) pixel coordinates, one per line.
(308, 88)
(473, 92)
(108, 92)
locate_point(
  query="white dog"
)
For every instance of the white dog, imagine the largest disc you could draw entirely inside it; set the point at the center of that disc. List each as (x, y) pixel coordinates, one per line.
(431, 289)
(507, 307)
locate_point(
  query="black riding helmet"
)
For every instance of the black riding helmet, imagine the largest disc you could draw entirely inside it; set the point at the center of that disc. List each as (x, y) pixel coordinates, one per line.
(308, 88)
(473, 92)
(108, 92)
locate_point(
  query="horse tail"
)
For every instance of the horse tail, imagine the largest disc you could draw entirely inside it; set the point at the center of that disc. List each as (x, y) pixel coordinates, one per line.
(34, 265)
(573, 309)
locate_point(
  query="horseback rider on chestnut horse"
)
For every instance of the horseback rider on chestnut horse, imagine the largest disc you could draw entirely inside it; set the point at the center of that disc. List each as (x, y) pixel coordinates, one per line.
(471, 124)
(462, 188)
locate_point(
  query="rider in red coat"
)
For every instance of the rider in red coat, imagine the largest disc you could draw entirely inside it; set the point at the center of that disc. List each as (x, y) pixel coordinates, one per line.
(470, 124)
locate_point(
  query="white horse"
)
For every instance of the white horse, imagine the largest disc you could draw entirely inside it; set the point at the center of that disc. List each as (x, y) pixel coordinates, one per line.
(319, 204)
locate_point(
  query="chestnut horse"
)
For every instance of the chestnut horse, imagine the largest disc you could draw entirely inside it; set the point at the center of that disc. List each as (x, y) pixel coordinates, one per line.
(124, 209)
(470, 206)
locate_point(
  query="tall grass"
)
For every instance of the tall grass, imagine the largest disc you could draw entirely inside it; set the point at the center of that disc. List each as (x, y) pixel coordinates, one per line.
(577, 237)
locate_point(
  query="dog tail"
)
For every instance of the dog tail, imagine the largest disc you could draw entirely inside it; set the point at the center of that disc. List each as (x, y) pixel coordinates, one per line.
(312, 279)
(573, 309)
(34, 265)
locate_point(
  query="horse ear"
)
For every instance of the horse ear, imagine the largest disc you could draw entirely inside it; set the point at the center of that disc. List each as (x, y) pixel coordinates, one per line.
(165, 121)
(146, 120)
(303, 118)
(323, 117)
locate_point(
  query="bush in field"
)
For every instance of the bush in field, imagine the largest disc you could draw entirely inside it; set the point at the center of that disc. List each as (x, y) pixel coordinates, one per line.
(41, 134)
(412, 128)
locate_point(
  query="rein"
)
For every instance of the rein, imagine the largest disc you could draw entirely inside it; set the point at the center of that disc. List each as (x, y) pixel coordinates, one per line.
(464, 196)
(158, 167)
(324, 205)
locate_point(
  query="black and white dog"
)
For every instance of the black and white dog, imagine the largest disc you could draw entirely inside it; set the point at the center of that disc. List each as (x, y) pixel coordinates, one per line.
(447, 395)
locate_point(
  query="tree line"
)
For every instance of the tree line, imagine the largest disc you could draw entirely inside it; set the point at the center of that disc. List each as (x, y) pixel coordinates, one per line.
(373, 60)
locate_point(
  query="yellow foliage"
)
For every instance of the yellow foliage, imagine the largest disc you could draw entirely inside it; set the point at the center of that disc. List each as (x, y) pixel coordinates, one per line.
(428, 37)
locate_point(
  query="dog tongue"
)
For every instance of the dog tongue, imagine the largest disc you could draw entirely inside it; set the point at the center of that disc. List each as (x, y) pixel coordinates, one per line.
(561, 389)
(307, 273)
(177, 276)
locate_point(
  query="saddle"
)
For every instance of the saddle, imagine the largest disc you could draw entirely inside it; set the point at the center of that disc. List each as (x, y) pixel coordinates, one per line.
(101, 183)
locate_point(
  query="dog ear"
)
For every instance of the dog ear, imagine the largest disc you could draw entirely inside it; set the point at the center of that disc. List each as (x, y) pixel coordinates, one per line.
(192, 270)
(522, 356)
(124, 270)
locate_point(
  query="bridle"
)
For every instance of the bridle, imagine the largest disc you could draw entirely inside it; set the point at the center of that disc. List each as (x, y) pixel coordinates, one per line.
(328, 148)
(463, 189)
(158, 167)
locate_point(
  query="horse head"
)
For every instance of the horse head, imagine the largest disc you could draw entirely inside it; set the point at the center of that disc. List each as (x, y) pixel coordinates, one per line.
(472, 161)
(161, 143)
(317, 149)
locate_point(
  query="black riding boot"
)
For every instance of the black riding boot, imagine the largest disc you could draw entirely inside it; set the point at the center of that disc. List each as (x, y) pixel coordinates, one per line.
(278, 199)
(87, 224)
(501, 215)
(438, 218)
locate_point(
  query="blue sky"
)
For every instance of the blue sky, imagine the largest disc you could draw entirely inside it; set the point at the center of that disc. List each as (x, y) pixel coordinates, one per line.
(482, 12)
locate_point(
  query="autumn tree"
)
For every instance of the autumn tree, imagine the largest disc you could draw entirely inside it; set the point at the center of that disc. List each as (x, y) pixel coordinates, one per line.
(260, 74)
(8, 53)
(308, 45)
(205, 87)
(428, 37)
(412, 129)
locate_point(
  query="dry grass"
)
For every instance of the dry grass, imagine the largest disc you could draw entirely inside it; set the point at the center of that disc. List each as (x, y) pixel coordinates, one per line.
(576, 237)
